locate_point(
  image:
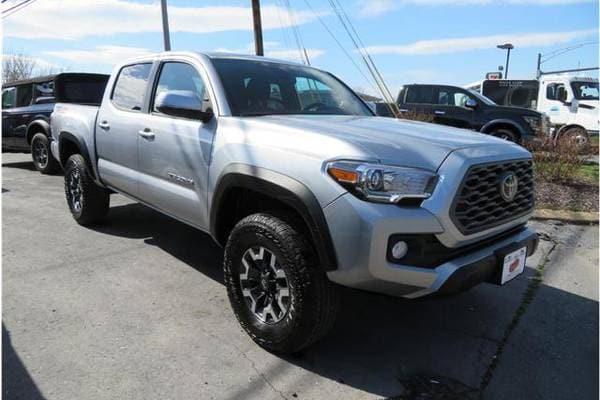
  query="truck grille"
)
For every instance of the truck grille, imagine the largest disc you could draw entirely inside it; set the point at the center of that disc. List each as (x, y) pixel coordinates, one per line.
(479, 204)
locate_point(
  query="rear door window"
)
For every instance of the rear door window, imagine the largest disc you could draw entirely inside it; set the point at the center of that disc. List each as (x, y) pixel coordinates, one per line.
(24, 95)
(130, 87)
(420, 95)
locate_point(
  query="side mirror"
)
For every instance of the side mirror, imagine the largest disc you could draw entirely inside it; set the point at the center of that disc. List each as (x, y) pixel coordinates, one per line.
(471, 103)
(182, 103)
(561, 94)
(45, 100)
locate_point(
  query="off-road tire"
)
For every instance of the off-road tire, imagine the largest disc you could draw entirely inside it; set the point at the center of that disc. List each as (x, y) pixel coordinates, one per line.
(314, 300)
(41, 155)
(505, 134)
(87, 201)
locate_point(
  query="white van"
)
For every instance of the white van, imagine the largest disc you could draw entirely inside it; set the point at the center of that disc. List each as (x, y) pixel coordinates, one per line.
(570, 102)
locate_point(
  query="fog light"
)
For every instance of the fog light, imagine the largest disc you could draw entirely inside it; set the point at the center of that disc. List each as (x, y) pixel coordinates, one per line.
(399, 250)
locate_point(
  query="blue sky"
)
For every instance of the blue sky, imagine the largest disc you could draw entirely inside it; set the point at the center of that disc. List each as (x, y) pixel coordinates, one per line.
(438, 41)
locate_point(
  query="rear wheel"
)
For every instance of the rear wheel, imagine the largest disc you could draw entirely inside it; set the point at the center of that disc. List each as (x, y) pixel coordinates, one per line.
(87, 201)
(42, 158)
(278, 292)
(505, 134)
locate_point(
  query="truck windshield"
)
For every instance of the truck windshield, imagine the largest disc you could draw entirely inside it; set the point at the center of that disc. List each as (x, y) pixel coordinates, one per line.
(585, 90)
(257, 88)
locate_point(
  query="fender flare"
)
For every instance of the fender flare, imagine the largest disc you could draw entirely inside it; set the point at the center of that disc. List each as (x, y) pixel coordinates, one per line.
(42, 123)
(485, 128)
(282, 188)
(83, 150)
(565, 127)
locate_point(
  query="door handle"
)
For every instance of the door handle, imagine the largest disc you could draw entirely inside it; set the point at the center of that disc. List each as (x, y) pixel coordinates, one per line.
(439, 112)
(104, 125)
(403, 110)
(146, 134)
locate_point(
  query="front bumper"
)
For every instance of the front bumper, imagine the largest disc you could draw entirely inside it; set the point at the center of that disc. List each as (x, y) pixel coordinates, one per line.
(361, 232)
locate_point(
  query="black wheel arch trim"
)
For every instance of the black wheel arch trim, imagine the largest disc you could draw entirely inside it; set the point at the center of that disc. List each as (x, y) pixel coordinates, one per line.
(488, 127)
(83, 150)
(42, 123)
(282, 188)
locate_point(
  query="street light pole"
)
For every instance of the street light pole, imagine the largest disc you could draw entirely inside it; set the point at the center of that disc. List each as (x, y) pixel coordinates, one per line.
(165, 24)
(258, 39)
(508, 47)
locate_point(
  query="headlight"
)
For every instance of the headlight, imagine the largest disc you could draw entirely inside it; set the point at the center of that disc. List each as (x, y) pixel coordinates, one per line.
(382, 183)
(533, 122)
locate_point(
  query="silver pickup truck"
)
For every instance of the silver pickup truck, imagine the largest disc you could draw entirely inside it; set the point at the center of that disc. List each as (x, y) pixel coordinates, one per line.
(302, 184)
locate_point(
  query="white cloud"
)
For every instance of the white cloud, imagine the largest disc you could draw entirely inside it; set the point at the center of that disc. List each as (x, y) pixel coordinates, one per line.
(456, 45)
(370, 8)
(73, 19)
(100, 55)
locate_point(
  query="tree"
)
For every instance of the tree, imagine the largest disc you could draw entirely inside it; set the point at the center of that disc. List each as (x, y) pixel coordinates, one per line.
(17, 66)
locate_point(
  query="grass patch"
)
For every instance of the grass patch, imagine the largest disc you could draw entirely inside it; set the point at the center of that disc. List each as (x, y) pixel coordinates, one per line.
(589, 172)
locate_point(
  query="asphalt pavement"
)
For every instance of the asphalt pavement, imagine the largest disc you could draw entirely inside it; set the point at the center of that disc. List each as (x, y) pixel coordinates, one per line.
(136, 309)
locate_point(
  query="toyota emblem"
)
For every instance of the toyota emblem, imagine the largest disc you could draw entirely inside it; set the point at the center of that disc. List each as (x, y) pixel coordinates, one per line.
(508, 186)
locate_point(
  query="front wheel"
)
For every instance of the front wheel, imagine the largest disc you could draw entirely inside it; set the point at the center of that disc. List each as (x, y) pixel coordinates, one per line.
(87, 201)
(575, 136)
(278, 292)
(505, 134)
(41, 156)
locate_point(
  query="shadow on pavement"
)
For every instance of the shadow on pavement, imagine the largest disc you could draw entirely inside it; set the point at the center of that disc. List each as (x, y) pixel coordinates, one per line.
(28, 165)
(189, 245)
(17, 384)
(380, 343)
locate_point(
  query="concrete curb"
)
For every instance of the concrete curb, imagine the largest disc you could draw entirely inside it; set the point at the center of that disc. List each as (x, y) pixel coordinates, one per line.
(576, 217)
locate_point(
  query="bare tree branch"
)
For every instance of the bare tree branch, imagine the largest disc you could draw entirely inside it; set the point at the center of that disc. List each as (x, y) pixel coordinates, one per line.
(16, 66)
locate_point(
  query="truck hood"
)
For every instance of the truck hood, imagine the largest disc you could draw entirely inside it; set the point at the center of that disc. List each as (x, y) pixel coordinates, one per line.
(517, 110)
(392, 141)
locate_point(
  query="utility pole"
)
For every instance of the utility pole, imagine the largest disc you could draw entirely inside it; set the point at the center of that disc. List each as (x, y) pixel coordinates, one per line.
(538, 70)
(165, 24)
(258, 39)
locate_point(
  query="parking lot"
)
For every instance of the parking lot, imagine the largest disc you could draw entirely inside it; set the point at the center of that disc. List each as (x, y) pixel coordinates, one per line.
(136, 309)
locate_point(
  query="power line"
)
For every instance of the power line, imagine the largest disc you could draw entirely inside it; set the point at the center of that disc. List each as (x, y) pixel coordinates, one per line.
(15, 6)
(10, 11)
(296, 32)
(341, 46)
(360, 47)
(555, 53)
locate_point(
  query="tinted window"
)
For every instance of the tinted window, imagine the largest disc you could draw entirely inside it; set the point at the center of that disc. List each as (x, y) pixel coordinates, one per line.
(131, 86)
(9, 97)
(552, 91)
(181, 77)
(258, 88)
(44, 89)
(420, 95)
(24, 95)
(512, 93)
(81, 89)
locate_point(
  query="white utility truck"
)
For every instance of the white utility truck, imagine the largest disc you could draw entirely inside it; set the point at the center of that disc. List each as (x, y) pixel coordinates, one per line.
(570, 102)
